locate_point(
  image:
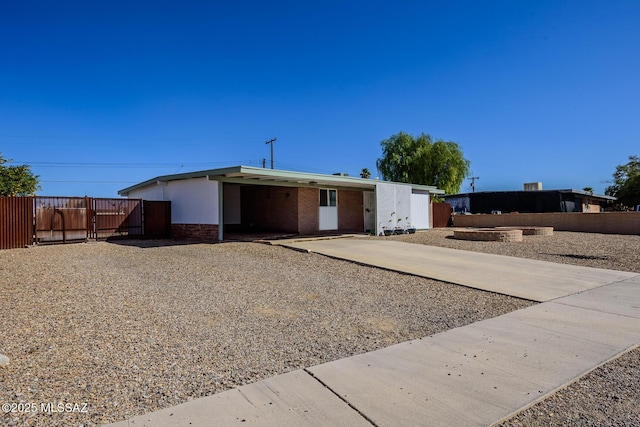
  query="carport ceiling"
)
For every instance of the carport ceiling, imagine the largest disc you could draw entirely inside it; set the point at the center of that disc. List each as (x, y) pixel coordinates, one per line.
(258, 176)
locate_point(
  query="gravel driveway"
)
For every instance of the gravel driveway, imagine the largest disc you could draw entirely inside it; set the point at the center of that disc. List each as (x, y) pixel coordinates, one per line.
(128, 329)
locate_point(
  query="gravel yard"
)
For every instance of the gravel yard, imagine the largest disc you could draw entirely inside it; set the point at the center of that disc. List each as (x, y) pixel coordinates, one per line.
(610, 394)
(134, 327)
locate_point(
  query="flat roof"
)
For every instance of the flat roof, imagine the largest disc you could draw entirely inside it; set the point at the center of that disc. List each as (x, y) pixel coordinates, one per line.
(261, 176)
(569, 190)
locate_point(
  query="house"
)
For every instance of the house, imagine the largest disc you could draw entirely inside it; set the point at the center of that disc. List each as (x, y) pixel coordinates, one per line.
(528, 201)
(250, 199)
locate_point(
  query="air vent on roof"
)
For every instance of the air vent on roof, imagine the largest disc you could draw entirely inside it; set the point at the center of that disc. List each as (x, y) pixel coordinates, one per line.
(341, 174)
(532, 186)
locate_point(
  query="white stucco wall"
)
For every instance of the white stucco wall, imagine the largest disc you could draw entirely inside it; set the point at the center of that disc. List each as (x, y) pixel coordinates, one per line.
(152, 192)
(403, 205)
(393, 202)
(193, 201)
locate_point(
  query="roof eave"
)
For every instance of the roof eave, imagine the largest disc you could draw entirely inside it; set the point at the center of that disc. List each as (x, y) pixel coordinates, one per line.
(294, 178)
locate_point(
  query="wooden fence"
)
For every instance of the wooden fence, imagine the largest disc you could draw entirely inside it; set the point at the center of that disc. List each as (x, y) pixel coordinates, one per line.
(41, 219)
(441, 214)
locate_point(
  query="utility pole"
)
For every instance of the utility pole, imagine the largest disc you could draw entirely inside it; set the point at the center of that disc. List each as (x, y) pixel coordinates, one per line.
(473, 182)
(271, 141)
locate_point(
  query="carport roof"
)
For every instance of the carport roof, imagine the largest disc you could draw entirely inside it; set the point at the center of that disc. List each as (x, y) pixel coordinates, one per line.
(260, 176)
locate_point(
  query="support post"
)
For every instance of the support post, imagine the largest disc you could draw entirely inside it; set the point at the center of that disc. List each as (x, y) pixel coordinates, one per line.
(220, 211)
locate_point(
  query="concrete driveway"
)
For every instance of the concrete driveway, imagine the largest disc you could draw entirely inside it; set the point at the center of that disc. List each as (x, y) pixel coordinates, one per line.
(523, 278)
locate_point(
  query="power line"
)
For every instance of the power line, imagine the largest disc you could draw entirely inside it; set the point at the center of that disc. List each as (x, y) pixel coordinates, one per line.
(105, 138)
(89, 182)
(124, 165)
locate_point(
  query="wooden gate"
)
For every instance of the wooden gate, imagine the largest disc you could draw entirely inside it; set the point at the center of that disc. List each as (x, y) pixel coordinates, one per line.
(157, 219)
(441, 214)
(16, 222)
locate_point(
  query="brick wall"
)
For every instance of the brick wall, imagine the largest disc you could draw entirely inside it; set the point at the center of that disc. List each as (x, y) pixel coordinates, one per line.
(194, 231)
(350, 211)
(308, 210)
(590, 222)
(269, 208)
(489, 236)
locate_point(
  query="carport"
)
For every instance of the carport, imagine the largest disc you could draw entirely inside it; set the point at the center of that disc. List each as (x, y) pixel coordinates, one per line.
(249, 199)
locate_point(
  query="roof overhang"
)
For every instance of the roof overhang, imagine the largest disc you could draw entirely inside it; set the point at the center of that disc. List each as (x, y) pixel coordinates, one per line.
(247, 175)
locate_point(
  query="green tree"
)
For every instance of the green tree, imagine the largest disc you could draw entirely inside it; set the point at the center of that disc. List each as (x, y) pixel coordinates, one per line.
(17, 180)
(365, 173)
(626, 183)
(424, 161)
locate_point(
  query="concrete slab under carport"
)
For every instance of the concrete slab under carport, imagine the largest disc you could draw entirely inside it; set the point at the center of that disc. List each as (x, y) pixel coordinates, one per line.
(291, 399)
(523, 278)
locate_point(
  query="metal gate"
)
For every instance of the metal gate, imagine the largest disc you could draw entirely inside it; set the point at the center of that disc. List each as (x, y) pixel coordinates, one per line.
(16, 222)
(67, 219)
(116, 218)
(61, 219)
(42, 219)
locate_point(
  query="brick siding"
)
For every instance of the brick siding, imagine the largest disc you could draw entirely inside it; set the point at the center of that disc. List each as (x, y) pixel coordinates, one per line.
(195, 231)
(308, 210)
(489, 235)
(350, 211)
(270, 208)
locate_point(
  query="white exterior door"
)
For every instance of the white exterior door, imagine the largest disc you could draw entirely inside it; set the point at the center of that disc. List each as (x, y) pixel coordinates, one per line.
(420, 206)
(369, 203)
(328, 209)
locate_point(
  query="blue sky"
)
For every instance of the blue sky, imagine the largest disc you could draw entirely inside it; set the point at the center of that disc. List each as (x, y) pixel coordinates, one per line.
(97, 96)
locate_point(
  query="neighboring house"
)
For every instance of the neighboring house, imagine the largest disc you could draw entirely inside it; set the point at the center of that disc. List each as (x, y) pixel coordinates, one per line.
(537, 201)
(249, 199)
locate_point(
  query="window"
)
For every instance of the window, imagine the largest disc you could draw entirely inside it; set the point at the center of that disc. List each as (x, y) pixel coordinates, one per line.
(328, 197)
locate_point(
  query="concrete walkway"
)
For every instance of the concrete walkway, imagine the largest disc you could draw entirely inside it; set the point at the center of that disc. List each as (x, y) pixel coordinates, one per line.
(473, 375)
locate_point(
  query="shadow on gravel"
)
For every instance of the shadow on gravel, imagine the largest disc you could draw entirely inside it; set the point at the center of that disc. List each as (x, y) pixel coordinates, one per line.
(157, 243)
(577, 256)
(229, 237)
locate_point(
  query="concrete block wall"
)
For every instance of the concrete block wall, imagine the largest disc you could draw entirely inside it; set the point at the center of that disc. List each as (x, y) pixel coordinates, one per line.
(589, 222)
